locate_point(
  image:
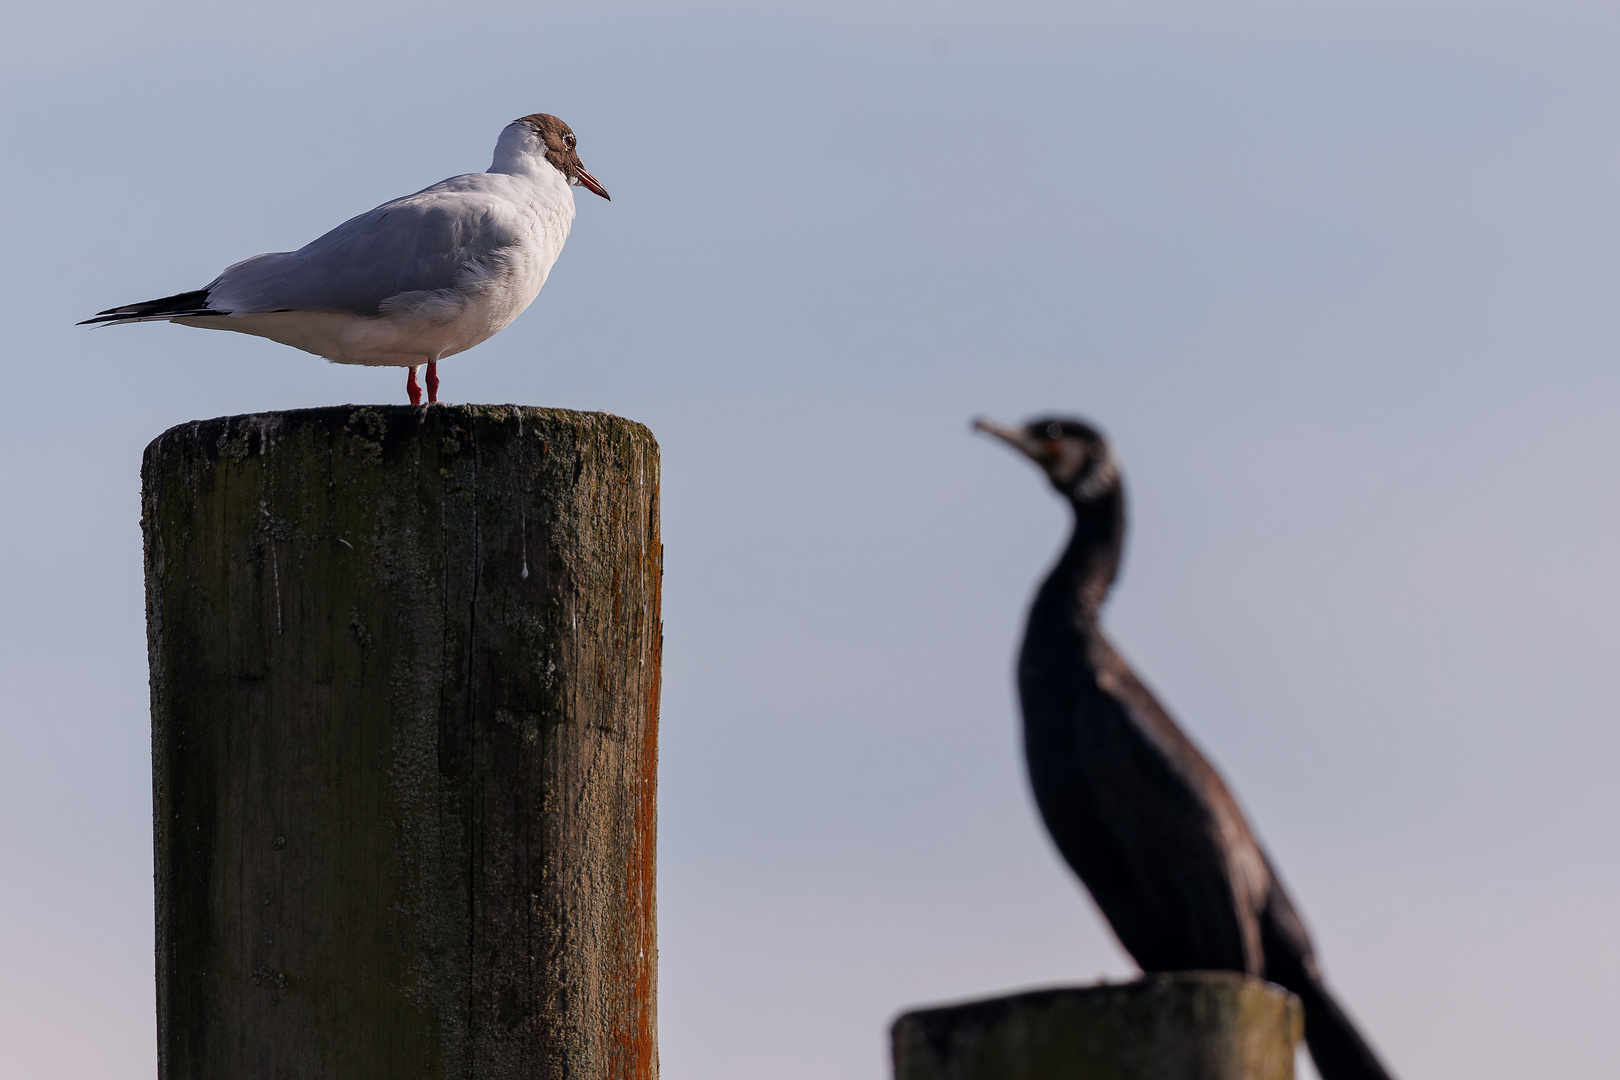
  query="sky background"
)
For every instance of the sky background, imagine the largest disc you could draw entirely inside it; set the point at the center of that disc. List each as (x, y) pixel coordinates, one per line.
(1340, 280)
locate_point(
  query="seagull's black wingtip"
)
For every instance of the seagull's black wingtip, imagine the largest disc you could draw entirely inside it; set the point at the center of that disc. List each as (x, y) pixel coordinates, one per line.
(179, 305)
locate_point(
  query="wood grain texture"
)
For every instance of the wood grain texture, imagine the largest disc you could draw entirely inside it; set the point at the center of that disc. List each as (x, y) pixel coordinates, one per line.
(1201, 1025)
(405, 679)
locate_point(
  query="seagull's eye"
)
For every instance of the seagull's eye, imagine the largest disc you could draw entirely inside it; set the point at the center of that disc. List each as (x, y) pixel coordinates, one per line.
(568, 140)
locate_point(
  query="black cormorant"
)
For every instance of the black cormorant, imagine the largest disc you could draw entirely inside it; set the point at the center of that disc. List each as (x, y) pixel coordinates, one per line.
(1132, 805)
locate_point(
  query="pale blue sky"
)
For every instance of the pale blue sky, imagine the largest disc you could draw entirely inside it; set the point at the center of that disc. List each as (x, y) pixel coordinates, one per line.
(1339, 279)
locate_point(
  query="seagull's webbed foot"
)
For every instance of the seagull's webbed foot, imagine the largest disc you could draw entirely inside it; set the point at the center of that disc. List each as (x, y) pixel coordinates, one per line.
(411, 389)
(433, 381)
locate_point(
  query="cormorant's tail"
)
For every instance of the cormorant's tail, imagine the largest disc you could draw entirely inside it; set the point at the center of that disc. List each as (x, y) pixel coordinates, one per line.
(168, 307)
(1337, 1048)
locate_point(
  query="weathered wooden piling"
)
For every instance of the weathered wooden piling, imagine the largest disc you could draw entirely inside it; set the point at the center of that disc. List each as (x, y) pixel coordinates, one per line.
(1201, 1025)
(405, 679)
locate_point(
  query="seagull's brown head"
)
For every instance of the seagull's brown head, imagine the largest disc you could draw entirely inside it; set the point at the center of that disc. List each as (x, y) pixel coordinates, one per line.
(561, 151)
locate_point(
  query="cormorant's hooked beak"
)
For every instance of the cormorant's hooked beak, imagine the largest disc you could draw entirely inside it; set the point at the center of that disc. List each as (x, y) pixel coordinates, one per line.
(1016, 437)
(591, 183)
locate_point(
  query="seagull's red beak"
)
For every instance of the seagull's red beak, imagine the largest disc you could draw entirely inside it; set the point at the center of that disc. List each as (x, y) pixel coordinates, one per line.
(591, 183)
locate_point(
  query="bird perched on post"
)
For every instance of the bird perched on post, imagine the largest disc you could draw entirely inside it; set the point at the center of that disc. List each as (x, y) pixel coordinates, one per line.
(1135, 810)
(417, 279)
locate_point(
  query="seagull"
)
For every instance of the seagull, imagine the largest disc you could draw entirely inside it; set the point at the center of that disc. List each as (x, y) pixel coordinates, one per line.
(417, 279)
(1138, 813)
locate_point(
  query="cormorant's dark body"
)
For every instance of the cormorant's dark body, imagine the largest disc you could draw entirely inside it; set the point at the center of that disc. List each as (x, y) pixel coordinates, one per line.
(1134, 808)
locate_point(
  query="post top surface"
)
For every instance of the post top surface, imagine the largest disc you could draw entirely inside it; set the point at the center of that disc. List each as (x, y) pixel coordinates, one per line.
(1105, 994)
(266, 428)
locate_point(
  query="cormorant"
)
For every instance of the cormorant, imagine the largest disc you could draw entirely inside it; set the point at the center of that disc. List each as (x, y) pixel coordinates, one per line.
(1134, 808)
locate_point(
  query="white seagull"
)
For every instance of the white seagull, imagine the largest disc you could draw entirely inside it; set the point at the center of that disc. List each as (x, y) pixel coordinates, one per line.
(413, 281)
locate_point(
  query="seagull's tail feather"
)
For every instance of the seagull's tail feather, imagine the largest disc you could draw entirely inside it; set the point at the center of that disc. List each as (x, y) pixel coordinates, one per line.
(167, 307)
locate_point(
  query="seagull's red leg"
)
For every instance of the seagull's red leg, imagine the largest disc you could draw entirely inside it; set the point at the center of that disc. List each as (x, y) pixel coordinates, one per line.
(411, 388)
(433, 381)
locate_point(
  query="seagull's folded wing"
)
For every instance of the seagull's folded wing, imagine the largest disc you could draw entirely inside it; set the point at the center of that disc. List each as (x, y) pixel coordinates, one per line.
(442, 238)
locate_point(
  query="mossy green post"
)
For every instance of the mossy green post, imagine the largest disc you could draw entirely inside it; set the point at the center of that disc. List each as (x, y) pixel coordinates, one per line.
(405, 678)
(1202, 1025)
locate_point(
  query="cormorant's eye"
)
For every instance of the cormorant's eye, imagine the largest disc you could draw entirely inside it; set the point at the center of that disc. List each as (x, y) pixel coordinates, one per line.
(1054, 431)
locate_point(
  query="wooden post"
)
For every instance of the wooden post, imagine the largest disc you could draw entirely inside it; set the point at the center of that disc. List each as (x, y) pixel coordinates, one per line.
(1200, 1025)
(405, 677)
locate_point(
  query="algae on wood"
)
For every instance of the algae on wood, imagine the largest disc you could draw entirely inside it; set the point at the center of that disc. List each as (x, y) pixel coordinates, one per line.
(405, 678)
(1202, 1025)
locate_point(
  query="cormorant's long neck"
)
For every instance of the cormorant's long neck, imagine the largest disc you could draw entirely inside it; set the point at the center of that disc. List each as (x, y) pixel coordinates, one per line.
(1080, 581)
